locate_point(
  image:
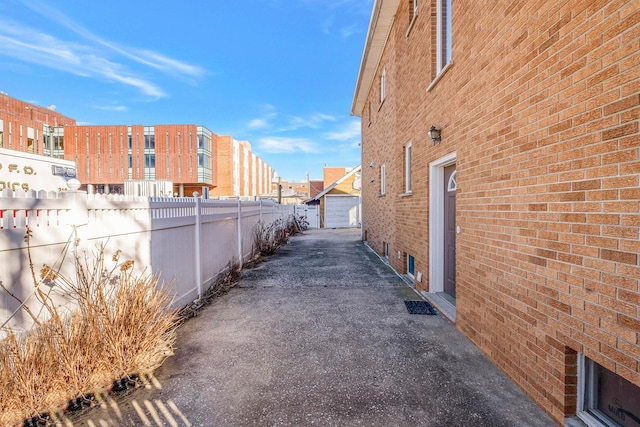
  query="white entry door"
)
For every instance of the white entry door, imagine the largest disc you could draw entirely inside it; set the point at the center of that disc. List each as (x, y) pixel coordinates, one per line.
(341, 211)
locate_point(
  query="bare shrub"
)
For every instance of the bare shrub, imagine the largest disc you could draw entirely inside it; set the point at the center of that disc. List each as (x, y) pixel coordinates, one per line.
(120, 325)
(268, 238)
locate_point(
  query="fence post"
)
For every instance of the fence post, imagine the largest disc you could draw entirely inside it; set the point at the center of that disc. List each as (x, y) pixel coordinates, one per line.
(198, 254)
(240, 232)
(79, 214)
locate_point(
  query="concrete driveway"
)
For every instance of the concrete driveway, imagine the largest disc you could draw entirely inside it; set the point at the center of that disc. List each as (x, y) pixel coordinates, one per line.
(318, 334)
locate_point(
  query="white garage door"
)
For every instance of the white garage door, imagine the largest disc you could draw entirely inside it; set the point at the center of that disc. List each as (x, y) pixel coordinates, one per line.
(341, 211)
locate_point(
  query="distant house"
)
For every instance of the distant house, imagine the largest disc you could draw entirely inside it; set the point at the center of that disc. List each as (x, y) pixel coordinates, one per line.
(501, 154)
(340, 201)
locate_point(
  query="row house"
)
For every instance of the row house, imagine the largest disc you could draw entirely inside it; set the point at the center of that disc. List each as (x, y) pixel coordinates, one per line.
(500, 176)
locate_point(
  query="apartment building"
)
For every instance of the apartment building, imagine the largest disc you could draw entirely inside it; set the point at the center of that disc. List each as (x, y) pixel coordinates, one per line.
(241, 172)
(501, 173)
(181, 158)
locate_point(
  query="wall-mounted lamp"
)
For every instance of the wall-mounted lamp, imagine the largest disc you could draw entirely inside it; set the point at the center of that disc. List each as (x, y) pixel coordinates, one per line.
(434, 134)
(372, 164)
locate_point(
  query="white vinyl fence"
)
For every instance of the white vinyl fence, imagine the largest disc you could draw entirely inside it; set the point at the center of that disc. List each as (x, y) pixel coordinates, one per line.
(188, 242)
(308, 213)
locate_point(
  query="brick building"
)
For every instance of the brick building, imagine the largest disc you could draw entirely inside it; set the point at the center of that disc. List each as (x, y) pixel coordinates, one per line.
(107, 156)
(30, 128)
(520, 220)
(241, 173)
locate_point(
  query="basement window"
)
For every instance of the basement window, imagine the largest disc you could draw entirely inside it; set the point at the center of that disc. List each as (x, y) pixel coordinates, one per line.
(410, 265)
(605, 398)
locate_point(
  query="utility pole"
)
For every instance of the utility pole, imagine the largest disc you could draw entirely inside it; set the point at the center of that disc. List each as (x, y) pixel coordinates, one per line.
(279, 190)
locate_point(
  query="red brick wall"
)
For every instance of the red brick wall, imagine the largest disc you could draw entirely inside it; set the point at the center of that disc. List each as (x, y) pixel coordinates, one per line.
(101, 153)
(225, 167)
(18, 115)
(98, 163)
(332, 174)
(542, 108)
(245, 167)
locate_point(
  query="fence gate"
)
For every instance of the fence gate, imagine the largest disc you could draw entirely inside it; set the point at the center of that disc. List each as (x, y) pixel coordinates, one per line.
(310, 213)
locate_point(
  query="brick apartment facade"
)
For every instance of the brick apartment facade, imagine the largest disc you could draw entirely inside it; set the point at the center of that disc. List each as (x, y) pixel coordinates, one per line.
(241, 172)
(522, 222)
(107, 156)
(30, 128)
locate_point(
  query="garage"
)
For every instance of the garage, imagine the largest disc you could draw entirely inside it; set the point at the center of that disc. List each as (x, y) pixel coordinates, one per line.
(341, 211)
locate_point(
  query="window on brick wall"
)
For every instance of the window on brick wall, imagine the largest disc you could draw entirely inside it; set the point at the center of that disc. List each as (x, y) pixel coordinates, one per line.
(443, 34)
(383, 179)
(1, 133)
(31, 148)
(407, 168)
(413, 13)
(383, 82)
(605, 398)
(410, 265)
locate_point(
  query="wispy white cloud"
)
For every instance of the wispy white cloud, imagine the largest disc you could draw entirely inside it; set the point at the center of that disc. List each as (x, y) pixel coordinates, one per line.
(90, 56)
(288, 123)
(347, 31)
(349, 132)
(276, 145)
(332, 14)
(313, 121)
(165, 64)
(258, 123)
(112, 108)
(264, 121)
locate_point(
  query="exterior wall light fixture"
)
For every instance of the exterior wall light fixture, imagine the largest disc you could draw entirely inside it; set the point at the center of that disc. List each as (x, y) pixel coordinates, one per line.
(434, 134)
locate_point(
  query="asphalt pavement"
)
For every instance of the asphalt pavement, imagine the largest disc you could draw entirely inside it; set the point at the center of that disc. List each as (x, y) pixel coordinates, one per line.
(318, 335)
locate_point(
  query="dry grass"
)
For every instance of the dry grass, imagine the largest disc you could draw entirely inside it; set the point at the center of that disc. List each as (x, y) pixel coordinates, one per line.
(267, 238)
(120, 325)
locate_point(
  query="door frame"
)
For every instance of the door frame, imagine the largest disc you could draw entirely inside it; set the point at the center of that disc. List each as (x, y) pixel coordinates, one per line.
(436, 221)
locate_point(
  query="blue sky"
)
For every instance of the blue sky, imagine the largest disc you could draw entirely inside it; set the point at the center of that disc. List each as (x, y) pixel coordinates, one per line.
(277, 73)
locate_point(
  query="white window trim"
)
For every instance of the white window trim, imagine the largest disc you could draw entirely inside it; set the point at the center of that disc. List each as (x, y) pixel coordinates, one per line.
(407, 169)
(411, 275)
(587, 390)
(383, 179)
(440, 61)
(442, 64)
(436, 218)
(452, 180)
(383, 83)
(439, 76)
(414, 5)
